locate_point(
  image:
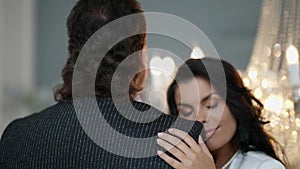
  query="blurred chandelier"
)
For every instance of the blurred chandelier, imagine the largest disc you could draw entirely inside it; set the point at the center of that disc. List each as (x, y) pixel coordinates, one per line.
(273, 72)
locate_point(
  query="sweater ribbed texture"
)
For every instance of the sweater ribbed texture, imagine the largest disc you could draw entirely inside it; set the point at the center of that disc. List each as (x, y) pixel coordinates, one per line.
(54, 138)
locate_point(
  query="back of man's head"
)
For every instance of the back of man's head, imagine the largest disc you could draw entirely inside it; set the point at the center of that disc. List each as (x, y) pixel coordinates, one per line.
(86, 18)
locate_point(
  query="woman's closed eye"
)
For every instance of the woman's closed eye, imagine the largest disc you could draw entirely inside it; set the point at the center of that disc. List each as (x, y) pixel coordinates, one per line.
(185, 110)
(185, 113)
(212, 106)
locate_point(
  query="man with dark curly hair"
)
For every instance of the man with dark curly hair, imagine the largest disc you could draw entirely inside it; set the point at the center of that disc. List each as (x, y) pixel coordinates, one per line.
(61, 136)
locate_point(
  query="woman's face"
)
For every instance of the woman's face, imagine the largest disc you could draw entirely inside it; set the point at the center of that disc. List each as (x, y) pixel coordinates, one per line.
(197, 100)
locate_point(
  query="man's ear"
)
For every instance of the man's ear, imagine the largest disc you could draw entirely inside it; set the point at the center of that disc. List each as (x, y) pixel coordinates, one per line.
(144, 57)
(137, 83)
(142, 75)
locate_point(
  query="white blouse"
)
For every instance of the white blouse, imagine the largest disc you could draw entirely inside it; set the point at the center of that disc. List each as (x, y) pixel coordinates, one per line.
(255, 160)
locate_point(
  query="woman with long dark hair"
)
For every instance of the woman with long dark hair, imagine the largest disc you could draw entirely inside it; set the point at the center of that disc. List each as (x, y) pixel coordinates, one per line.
(211, 91)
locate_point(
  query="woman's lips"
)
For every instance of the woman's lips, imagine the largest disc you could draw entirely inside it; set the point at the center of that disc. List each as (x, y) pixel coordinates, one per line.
(210, 132)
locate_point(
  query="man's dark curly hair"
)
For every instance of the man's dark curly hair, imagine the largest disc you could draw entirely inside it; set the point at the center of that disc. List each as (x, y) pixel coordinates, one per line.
(88, 16)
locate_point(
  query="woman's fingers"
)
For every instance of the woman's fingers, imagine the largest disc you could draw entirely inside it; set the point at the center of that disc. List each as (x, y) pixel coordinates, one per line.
(170, 148)
(176, 142)
(186, 137)
(204, 148)
(172, 162)
(188, 153)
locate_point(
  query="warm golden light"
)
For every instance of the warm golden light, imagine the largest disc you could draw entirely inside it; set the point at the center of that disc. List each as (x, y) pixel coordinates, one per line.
(155, 66)
(273, 73)
(294, 135)
(258, 93)
(283, 77)
(274, 120)
(252, 74)
(159, 66)
(297, 121)
(265, 83)
(197, 53)
(292, 55)
(169, 65)
(277, 50)
(286, 115)
(289, 104)
(268, 51)
(274, 103)
(246, 82)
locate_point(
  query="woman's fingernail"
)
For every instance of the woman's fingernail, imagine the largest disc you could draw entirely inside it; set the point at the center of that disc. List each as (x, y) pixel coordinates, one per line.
(171, 130)
(160, 134)
(159, 152)
(158, 141)
(200, 140)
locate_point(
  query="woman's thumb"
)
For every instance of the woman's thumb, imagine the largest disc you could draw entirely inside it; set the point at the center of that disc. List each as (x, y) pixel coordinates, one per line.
(204, 148)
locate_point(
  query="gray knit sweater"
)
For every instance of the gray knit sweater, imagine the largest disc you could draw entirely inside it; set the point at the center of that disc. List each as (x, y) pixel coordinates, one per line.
(55, 137)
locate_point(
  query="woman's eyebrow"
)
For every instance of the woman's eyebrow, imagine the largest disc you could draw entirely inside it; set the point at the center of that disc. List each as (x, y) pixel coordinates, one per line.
(185, 105)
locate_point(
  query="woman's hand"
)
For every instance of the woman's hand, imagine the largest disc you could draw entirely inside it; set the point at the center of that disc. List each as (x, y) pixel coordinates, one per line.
(189, 154)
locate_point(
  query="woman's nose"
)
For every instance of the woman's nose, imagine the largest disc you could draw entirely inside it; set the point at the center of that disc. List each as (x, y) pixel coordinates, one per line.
(201, 117)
